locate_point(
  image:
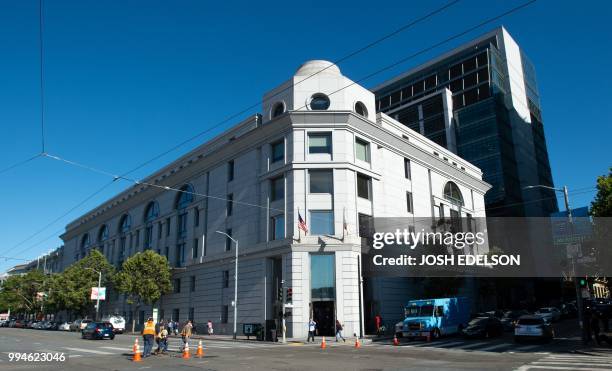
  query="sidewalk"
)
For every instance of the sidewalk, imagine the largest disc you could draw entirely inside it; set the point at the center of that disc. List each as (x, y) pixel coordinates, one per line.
(366, 340)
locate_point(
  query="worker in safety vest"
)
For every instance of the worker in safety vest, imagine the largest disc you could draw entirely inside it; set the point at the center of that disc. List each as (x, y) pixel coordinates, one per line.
(148, 335)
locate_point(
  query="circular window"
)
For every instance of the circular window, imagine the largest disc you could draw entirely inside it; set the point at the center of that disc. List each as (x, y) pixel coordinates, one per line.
(361, 109)
(278, 109)
(319, 102)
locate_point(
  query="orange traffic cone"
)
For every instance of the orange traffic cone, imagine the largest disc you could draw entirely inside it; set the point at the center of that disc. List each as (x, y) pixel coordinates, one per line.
(357, 343)
(200, 351)
(136, 351)
(395, 340)
(323, 343)
(186, 354)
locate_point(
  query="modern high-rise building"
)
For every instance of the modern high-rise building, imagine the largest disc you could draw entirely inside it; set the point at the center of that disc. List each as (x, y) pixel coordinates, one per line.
(481, 101)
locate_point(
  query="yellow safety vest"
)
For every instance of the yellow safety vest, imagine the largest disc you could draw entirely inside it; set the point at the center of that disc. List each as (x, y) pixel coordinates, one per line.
(149, 328)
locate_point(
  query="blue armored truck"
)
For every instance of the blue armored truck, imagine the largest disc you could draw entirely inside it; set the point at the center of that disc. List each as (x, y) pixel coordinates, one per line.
(435, 317)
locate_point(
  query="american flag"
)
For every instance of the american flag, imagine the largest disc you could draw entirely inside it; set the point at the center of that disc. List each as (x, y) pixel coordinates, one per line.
(302, 223)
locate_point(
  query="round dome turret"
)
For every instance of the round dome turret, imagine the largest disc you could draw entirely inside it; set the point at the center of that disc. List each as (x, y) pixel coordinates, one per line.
(320, 67)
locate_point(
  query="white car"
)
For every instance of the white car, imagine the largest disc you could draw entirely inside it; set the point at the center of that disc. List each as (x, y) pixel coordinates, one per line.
(118, 323)
(64, 326)
(550, 314)
(399, 329)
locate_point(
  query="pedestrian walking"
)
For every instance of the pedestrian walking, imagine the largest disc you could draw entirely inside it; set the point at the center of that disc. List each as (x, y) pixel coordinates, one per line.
(176, 327)
(170, 327)
(378, 323)
(209, 326)
(186, 333)
(148, 334)
(595, 328)
(339, 331)
(312, 327)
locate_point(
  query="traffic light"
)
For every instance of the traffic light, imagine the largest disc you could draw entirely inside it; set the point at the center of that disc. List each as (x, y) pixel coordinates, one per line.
(280, 294)
(289, 295)
(582, 282)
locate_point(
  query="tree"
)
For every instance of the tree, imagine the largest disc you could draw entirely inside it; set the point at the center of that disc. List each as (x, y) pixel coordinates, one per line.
(602, 205)
(19, 292)
(71, 290)
(144, 277)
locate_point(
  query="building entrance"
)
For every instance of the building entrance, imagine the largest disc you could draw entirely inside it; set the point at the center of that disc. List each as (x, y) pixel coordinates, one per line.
(323, 314)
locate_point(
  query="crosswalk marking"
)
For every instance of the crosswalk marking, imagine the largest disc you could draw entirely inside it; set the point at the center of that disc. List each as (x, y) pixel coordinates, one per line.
(117, 348)
(526, 347)
(579, 362)
(494, 347)
(88, 351)
(471, 345)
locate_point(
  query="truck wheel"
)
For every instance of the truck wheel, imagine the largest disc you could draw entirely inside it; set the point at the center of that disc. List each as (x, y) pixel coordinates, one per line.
(435, 334)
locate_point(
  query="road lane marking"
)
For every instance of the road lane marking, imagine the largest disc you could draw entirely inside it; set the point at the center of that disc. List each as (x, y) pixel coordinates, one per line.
(571, 363)
(89, 351)
(471, 345)
(496, 346)
(451, 344)
(526, 347)
(117, 348)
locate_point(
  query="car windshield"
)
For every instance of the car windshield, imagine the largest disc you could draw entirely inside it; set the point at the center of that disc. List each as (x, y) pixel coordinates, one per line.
(477, 321)
(105, 325)
(422, 311)
(530, 321)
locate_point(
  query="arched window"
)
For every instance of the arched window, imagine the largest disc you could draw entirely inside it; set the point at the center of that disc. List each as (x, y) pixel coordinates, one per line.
(452, 193)
(278, 109)
(185, 197)
(125, 224)
(361, 109)
(151, 212)
(85, 241)
(103, 233)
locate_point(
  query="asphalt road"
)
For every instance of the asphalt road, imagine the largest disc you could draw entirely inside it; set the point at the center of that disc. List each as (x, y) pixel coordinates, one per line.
(447, 354)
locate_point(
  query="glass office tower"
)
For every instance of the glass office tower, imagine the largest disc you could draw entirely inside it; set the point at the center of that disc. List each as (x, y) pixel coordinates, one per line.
(481, 101)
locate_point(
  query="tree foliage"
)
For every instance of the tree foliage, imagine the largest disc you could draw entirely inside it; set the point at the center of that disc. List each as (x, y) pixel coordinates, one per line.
(144, 277)
(19, 292)
(71, 290)
(602, 205)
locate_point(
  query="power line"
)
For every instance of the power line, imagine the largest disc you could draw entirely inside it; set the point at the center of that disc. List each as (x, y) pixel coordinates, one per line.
(403, 60)
(20, 163)
(42, 80)
(255, 105)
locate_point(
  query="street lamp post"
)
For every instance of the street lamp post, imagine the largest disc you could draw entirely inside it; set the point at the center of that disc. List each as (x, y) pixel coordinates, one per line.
(570, 219)
(235, 280)
(98, 296)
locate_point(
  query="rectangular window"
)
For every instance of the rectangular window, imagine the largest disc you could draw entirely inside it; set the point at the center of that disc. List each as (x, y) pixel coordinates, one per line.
(320, 143)
(159, 230)
(148, 237)
(175, 314)
(278, 227)
(229, 206)
(224, 313)
(182, 225)
(195, 250)
(363, 186)
(278, 151)
(230, 171)
(177, 285)
(137, 238)
(277, 189)
(409, 206)
(362, 150)
(322, 222)
(191, 313)
(167, 253)
(167, 226)
(321, 181)
(407, 170)
(192, 284)
(196, 217)
(225, 279)
(180, 255)
(228, 241)
(366, 226)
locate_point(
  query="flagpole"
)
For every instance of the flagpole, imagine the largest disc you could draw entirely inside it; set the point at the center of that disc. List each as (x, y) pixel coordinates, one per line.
(299, 229)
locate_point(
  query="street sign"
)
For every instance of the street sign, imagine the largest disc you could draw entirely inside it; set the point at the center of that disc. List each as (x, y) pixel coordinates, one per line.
(98, 293)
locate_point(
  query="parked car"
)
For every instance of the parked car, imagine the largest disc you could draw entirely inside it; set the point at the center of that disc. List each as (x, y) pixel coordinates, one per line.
(510, 317)
(551, 314)
(65, 326)
(484, 327)
(118, 323)
(84, 323)
(533, 327)
(98, 331)
(18, 324)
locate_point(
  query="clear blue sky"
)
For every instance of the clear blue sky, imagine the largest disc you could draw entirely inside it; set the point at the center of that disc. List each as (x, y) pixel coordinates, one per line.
(125, 80)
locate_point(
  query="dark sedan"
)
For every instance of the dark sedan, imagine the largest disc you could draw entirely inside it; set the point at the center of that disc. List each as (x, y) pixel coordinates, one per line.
(484, 327)
(98, 331)
(510, 317)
